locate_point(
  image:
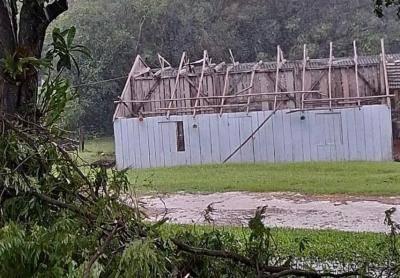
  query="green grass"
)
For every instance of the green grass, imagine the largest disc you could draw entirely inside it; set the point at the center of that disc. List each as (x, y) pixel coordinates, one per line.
(321, 245)
(98, 148)
(356, 178)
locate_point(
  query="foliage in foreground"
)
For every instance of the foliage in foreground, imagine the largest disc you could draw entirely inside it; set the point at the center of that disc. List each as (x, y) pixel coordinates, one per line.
(58, 221)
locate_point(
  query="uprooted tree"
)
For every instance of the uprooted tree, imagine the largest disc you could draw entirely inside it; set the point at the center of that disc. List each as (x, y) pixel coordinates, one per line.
(61, 218)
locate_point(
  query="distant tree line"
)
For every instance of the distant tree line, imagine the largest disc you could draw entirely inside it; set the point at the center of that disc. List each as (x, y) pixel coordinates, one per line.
(116, 31)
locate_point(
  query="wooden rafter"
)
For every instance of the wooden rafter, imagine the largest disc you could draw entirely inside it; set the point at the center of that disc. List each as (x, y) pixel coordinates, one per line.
(303, 75)
(225, 90)
(203, 69)
(174, 91)
(330, 73)
(279, 63)
(356, 70)
(253, 73)
(384, 62)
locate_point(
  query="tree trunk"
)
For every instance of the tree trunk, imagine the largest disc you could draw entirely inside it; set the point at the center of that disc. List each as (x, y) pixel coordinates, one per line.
(19, 96)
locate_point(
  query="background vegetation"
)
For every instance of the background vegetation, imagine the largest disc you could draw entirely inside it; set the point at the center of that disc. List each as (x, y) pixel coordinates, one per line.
(252, 29)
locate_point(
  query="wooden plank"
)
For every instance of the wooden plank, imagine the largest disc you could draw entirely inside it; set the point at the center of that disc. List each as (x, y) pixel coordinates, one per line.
(356, 70)
(176, 86)
(134, 144)
(314, 129)
(345, 83)
(200, 88)
(269, 136)
(125, 141)
(386, 134)
(277, 77)
(375, 112)
(234, 136)
(186, 91)
(287, 136)
(384, 61)
(160, 154)
(119, 159)
(322, 137)
(185, 156)
(348, 134)
(166, 143)
(187, 123)
(338, 137)
(205, 138)
(278, 136)
(150, 123)
(156, 95)
(369, 133)
(144, 144)
(176, 158)
(224, 142)
(296, 137)
(305, 136)
(245, 130)
(260, 144)
(330, 73)
(194, 135)
(127, 135)
(360, 134)
(215, 142)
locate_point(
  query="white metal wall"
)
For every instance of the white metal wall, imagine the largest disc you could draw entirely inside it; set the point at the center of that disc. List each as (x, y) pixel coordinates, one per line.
(343, 134)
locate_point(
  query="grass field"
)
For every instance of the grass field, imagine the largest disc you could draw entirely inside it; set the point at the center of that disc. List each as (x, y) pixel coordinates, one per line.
(357, 178)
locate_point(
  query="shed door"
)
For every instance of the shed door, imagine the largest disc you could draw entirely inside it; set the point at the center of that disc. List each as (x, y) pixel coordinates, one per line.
(173, 142)
(329, 136)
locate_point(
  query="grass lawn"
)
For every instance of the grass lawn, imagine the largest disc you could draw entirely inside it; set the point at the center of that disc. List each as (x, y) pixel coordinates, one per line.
(358, 178)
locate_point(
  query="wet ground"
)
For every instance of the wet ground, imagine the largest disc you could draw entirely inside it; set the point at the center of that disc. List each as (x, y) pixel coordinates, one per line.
(293, 210)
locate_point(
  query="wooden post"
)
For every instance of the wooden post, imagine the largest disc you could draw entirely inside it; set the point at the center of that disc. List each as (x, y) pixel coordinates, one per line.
(253, 73)
(303, 79)
(356, 70)
(278, 64)
(176, 83)
(330, 74)
(81, 139)
(232, 57)
(203, 69)
(385, 73)
(226, 87)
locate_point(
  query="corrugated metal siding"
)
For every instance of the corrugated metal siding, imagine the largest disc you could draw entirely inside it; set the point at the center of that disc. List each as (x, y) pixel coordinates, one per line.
(323, 135)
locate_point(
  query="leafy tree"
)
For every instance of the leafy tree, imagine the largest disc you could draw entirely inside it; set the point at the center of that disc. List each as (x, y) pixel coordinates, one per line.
(381, 5)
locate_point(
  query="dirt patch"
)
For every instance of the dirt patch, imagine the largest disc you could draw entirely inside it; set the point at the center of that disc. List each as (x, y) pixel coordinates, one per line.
(346, 213)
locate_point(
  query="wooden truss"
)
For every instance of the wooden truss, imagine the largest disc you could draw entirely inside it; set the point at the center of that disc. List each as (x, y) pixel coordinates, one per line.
(230, 97)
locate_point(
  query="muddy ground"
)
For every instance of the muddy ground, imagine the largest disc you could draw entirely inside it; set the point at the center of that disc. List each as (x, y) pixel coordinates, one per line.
(346, 213)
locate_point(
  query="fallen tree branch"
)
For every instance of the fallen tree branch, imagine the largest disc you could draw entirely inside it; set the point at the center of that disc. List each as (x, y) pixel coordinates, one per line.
(213, 253)
(100, 250)
(313, 274)
(274, 271)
